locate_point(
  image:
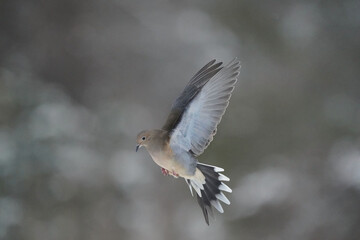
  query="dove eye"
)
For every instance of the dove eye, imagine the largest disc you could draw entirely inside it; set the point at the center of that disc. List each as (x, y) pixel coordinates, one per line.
(143, 138)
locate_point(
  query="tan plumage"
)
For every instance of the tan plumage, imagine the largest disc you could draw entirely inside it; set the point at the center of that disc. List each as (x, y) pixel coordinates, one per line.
(189, 129)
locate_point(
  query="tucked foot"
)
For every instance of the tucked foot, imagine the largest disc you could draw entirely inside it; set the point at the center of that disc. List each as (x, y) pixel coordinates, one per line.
(165, 172)
(174, 174)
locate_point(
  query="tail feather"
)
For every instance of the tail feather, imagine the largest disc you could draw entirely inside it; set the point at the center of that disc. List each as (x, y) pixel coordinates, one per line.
(209, 194)
(204, 203)
(225, 188)
(189, 184)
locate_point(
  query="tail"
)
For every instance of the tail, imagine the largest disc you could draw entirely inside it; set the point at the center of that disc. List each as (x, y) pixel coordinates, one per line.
(210, 191)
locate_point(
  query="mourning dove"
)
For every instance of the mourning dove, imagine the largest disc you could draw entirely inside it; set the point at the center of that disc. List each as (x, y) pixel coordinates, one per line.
(188, 131)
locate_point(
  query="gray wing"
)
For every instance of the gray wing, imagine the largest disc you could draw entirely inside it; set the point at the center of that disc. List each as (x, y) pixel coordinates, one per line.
(189, 93)
(199, 121)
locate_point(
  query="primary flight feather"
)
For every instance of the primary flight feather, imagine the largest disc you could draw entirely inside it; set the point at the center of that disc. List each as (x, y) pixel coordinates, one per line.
(188, 131)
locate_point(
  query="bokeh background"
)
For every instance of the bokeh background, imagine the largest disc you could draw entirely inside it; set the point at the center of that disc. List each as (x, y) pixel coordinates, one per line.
(79, 80)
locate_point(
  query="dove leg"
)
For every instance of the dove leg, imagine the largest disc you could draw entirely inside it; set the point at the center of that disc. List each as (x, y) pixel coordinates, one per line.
(175, 174)
(165, 172)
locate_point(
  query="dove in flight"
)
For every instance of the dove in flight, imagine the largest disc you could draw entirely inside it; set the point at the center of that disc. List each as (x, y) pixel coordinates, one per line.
(188, 131)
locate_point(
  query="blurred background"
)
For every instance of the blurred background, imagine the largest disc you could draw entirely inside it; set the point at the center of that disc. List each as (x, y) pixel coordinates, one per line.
(79, 80)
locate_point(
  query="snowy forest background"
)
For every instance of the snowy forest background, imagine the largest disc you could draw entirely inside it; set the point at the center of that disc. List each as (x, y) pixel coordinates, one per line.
(79, 80)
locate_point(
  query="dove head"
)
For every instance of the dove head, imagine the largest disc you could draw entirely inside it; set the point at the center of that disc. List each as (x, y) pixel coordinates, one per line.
(143, 139)
(147, 138)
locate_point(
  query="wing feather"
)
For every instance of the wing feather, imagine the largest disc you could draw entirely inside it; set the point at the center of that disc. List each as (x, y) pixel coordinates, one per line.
(191, 90)
(198, 122)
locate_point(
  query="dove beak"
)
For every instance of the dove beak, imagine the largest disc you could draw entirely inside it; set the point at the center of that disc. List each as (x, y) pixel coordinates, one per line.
(137, 147)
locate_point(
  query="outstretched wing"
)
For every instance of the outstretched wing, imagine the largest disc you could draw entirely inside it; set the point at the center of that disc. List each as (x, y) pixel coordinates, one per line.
(189, 93)
(204, 107)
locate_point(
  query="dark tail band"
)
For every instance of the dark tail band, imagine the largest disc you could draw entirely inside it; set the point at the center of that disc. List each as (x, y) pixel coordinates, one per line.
(212, 191)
